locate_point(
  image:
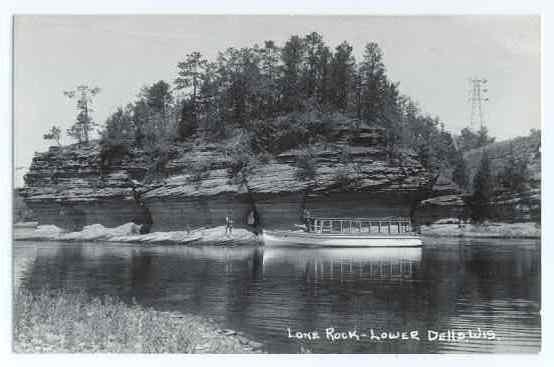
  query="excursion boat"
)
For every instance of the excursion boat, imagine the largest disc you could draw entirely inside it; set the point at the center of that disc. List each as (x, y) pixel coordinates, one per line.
(347, 232)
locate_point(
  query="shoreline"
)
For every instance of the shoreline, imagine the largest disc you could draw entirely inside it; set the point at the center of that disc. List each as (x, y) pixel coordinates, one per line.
(129, 233)
(62, 322)
(499, 230)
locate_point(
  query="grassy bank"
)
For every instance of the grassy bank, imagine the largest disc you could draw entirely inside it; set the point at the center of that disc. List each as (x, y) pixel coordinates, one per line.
(57, 321)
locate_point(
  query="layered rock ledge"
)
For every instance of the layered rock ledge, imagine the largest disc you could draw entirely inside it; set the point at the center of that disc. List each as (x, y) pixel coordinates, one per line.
(71, 187)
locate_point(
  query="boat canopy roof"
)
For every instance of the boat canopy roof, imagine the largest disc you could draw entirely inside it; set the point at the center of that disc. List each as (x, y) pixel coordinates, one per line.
(365, 219)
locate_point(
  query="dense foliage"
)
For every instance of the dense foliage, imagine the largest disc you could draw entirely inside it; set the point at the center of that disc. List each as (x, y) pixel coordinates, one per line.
(259, 101)
(469, 139)
(483, 189)
(284, 97)
(511, 176)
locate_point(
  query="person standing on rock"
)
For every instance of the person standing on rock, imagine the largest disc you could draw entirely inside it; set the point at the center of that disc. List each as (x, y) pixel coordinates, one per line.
(229, 223)
(145, 219)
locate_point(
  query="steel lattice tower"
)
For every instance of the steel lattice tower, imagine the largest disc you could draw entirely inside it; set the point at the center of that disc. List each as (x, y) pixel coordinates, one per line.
(478, 95)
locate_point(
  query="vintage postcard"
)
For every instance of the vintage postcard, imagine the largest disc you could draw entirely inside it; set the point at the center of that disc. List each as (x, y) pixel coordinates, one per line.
(276, 184)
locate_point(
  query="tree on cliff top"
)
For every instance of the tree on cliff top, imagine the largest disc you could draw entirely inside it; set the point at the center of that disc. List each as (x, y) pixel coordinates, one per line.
(84, 123)
(470, 139)
(373, 83)
(459, 174)
(158, 97)
(287, 97)
(53, 134)
(190, 78)
(514, 176)
(483, 188)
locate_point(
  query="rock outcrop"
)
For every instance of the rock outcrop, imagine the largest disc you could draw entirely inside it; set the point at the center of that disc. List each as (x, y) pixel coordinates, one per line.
(449, 201)
(67, 187)
(345, 181)
(527, 148)
(71, 187)
(200, 192)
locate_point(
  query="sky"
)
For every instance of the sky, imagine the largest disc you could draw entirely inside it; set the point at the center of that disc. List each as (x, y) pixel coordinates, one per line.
(432, 58)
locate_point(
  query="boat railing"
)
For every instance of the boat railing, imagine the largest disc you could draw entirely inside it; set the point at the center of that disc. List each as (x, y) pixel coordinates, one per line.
(390, 225)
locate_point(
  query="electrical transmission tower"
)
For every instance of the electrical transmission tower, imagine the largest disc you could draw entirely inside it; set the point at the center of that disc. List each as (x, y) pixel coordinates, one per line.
(478, 95)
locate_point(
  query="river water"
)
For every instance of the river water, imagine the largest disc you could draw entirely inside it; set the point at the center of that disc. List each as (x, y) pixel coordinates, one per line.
(488, 287)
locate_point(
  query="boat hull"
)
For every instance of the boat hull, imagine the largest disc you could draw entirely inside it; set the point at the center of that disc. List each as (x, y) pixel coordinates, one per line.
(292, 238)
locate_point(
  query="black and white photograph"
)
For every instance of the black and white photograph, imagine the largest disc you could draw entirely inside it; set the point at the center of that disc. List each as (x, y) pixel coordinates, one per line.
(276, 184)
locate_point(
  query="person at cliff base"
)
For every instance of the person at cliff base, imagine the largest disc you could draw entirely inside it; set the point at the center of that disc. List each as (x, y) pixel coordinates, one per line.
(253, 221)
(229, 223)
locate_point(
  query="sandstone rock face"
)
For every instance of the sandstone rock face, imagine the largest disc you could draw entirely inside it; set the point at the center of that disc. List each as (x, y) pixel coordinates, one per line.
(345, 181)
(504, 207)
(517, 207)
(441, 207)
(200, 192)
(69, 187)
(513, 207)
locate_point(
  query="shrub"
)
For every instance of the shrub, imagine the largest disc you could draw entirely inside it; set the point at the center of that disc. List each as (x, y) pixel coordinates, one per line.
(198, 171)
(483, 188)
(343, 179)
(306, 166)
(159, 158)
(238, 149)
(290, 131)
(110, 153)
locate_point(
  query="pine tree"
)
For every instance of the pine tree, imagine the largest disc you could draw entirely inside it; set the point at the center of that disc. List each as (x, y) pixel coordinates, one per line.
(483, 137)
(189, 77)
(483, 188)
(514, 175)
(314, 46)
(159, 99)
(187, 125)
(84, 123)
(268, 83)
(342, 75)
(459, 174)
(119, 128)
(373, 79)
(292, 56)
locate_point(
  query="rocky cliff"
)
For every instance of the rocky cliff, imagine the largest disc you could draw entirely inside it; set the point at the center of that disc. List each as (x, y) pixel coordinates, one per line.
(449, 201)
(72, 187)
(526, 148)
(67, 187)
(345, 181)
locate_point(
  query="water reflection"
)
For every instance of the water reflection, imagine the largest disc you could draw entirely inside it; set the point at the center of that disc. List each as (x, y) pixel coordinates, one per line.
(336, 263)
(264, 291)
